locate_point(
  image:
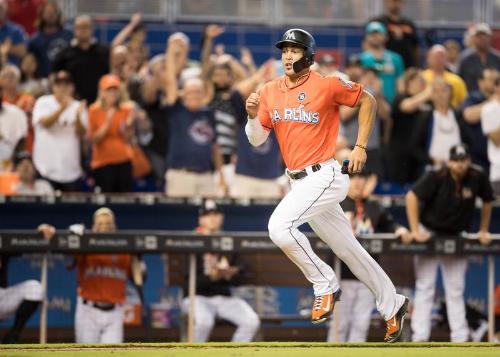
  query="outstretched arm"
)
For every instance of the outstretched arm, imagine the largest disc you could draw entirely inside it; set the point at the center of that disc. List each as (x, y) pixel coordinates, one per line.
(211, 32)
(366, 119)
(174, 45)
(122, 36)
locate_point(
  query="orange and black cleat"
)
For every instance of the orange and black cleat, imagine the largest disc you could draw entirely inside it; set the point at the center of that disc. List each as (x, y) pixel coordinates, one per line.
(394, 326)
(323, 306)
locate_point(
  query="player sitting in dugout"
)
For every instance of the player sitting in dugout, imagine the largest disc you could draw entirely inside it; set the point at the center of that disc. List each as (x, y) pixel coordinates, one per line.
(216, 275)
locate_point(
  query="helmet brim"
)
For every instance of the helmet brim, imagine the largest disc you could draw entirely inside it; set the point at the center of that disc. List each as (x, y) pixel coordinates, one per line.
(281, 44)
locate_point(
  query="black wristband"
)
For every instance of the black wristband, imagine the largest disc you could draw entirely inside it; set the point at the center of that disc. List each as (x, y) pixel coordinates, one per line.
(361, 146)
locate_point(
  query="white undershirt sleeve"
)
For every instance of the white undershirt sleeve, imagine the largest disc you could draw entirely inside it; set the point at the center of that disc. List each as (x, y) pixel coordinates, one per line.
(256, 133)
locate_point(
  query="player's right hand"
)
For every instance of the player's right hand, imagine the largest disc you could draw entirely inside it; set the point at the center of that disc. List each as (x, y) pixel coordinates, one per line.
(357, 159)
(252, 105)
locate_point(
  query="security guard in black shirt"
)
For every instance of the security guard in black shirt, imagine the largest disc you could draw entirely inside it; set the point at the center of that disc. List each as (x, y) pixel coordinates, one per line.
(442, 204)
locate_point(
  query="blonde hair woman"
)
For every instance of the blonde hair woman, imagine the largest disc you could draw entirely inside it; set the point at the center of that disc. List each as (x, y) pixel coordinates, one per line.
(111, 131)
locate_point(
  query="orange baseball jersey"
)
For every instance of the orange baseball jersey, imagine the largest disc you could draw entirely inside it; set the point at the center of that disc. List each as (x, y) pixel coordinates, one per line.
(305, 118)
(102, 277)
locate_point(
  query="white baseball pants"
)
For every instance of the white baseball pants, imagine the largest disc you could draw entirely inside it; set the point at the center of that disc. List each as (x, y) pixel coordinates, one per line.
(230, 308)
(315, 200)
(93, 325)
(354, 313)
(453, 270)
(13, 296)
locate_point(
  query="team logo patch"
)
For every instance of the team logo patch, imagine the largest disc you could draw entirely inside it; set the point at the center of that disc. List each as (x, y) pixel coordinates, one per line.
(201, 132)
(302, 96)
(344, 83)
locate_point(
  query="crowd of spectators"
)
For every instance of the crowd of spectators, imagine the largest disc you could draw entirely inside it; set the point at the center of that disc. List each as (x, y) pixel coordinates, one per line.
(80, 115)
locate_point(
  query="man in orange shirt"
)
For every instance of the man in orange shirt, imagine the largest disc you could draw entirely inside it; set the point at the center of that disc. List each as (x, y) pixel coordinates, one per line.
(303, 109)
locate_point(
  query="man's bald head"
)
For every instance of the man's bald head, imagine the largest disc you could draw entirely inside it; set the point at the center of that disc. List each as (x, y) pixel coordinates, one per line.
(437, 58)
(84, 29)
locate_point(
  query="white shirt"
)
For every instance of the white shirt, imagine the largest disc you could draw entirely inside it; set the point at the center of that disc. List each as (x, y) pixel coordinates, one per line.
(40, 187)
(13, 127)
(445, 134)
(490, 122)
(56, 150)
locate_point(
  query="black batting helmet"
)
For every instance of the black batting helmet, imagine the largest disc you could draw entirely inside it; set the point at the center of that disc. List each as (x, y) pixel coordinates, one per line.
(303, 39)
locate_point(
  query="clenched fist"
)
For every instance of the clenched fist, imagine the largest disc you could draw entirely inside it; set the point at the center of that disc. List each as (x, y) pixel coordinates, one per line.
(252, 105)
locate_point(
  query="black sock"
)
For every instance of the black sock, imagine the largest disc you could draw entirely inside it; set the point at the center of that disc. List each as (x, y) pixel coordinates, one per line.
(23, 313)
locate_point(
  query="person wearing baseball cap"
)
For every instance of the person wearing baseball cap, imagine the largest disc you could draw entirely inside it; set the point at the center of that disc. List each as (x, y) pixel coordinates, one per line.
(216, 275)
(387, 63)
(111, 130)
(402, 33)
(109, 81)
(441, 205)
(482, 56)
(59, 122)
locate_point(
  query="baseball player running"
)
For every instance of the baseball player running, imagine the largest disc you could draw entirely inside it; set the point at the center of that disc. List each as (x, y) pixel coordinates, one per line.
(303, 109)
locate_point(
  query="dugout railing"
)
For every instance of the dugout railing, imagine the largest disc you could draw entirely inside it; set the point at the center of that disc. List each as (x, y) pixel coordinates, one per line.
(189, 243)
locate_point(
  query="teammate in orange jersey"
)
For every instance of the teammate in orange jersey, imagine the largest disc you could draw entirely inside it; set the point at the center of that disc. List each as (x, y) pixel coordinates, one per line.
(102, 281)
(101, 289)
(303, 109)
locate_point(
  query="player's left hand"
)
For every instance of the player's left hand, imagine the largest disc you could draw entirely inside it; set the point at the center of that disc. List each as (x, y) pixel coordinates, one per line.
(484, 237)
(357, 159)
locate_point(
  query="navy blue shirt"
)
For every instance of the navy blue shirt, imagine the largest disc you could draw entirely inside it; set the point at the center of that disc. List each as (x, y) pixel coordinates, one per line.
(192, 135)
(46, 46)
(471, 66)
(261, 162)
(16, 35)
(478, 141)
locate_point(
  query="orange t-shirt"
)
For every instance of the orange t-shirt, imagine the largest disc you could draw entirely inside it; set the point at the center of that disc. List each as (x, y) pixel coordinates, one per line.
(103, 277)
(305, 118)
(113, 148)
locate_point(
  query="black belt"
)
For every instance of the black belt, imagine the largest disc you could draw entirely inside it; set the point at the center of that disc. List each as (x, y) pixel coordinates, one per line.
(297, 175)
(104, 306)
(191, 170)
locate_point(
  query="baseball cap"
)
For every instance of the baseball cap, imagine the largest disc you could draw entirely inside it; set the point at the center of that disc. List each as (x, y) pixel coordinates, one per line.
(109, 81)
(209, 206)
(375, 26)
(459, 152)
(62, 77)
(481, 27)
(23, 155)
(327, 59)
(353, 60)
